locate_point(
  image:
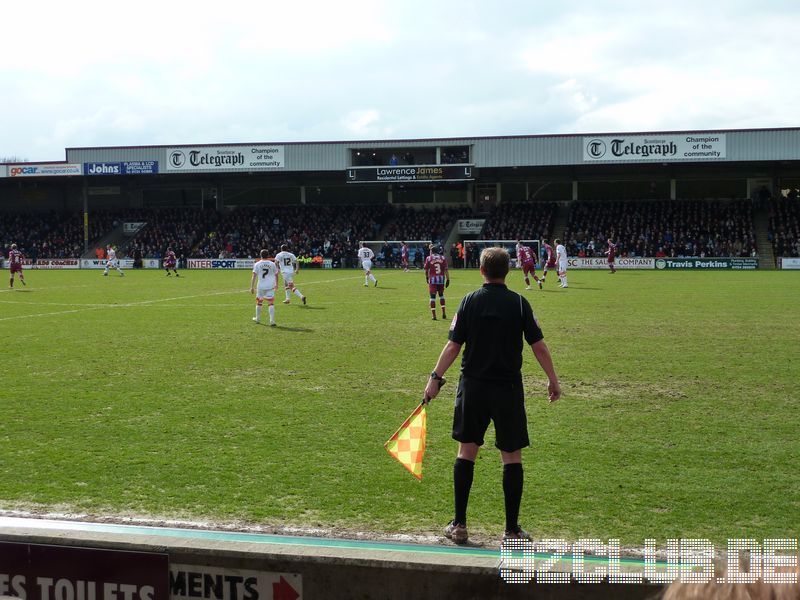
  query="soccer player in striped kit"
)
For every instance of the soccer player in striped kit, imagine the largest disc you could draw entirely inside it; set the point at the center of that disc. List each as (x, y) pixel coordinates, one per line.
(527, 263)
(549, 260)
(438, 278)
(611, 253)
(15, 265)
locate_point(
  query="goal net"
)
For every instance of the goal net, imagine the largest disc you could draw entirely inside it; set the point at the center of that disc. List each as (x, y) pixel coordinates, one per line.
(473, 248)
(417, 251)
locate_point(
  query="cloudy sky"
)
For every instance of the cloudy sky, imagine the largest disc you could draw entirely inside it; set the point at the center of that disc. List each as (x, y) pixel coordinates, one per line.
(92, 73)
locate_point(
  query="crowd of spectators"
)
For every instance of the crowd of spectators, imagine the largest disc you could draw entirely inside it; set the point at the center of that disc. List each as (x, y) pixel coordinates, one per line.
(42, 235)
(526, 221)
(784, 225)
(60, 234)
(327, 231)
(178, 228)
(101, 222)
(640, 228)
(368, 158)
(455, 156)
(432, 224)
(662, 228)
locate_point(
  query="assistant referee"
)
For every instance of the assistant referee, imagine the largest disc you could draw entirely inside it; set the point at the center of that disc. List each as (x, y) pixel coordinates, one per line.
(491, 322)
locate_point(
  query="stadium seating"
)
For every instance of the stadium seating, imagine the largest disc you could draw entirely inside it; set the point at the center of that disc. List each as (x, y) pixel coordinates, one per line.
(519, 221)
(784, 226)
(641, 228)
(332, 232)
(181, 228)
(424, 224)
(43, 235)
(662, 228)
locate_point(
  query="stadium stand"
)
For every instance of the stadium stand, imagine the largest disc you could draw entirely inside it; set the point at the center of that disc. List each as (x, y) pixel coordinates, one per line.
(180, 228)
(43, 235)
(519, 221)
(641, 228)
(784, 226)
(424, 224)
(332, 232)
(663, 228)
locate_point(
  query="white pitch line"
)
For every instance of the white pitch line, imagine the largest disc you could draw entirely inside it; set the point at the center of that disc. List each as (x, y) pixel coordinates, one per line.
(45, 289)
(149, 302)
(146, 302)
(60, 312)
(126, 305)
(52, 303)
(331, 280)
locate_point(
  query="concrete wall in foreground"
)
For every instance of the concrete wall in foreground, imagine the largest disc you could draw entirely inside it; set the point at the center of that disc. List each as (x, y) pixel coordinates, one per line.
(292, 571)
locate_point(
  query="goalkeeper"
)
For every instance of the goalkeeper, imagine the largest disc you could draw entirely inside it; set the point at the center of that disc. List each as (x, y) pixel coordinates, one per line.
(491, 322)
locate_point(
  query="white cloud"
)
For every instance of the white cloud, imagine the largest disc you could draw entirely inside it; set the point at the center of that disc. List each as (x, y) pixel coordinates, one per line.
(365, 124)
(181, 72)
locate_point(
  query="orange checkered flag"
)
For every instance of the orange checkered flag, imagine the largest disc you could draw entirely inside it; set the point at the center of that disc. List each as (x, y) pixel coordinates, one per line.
(407, 444)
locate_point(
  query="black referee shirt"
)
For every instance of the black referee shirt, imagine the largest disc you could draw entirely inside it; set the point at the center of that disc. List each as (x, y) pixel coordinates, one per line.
(492, 321)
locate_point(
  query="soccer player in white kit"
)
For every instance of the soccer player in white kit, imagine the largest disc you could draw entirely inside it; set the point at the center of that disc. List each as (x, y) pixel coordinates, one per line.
(561, 259)
(365, 255)
(287, 263)
(265, 272)
(112, 261)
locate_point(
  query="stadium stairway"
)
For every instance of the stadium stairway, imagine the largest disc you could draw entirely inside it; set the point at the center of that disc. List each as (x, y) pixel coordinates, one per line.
(452, 238)
(560, 220)
(115, 237)
(766, 258)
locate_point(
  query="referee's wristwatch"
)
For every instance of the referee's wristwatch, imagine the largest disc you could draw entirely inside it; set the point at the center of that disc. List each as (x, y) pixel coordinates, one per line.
(436, 376)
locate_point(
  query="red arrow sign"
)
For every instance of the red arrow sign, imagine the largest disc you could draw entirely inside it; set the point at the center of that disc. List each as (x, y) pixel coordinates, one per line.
(283, 591)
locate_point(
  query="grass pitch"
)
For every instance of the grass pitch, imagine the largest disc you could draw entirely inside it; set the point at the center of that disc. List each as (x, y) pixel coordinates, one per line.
(149, 395)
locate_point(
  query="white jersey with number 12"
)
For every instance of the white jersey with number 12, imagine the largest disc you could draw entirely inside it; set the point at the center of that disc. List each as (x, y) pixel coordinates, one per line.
(286, 261)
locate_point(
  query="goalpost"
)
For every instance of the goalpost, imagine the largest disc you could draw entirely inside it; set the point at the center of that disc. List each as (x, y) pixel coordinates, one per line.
(415, 248)
(509, 245)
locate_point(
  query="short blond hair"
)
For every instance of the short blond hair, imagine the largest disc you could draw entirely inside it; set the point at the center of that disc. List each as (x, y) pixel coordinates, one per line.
(495, 262)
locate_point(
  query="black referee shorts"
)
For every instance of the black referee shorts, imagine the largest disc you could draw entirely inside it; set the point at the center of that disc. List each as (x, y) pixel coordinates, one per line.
(479, 401)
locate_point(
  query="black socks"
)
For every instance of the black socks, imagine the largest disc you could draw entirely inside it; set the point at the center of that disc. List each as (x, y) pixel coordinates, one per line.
(512, 490)
(462, 483)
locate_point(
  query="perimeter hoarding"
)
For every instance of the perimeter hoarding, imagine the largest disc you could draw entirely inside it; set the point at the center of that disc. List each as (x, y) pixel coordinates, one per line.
(790, 263)
(225, 158)
(45, 170)
(470, 226)
(100, 263)
(410, 173)
(130, 167)
(656, 147)
(220, 263)
(46, 263)
(621, 262)
(40, 572)
(3, 171)
(192, 582)
(747, 263)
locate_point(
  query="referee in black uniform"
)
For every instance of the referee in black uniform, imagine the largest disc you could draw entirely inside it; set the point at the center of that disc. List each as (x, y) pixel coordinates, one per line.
(491, 322)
